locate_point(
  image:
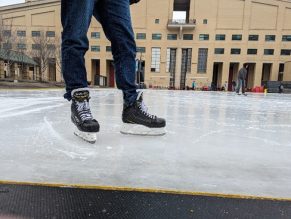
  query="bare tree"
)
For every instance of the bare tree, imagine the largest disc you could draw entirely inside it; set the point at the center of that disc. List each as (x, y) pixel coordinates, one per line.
(43, 51)
(21, 50)
(58, 54)
(8, 38)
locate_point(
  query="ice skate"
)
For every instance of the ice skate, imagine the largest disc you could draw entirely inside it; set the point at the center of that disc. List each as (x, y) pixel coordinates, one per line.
(86, 126)
(137, 121)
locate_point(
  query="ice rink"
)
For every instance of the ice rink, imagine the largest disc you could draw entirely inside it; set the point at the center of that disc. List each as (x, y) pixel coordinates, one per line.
(215, 142)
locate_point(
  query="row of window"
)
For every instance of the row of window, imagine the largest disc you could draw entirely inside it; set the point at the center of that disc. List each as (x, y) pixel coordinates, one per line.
(22, 33)
(23, 46)
(108, 49)
(218, 51)
(239, 37)
(237, 51)
(203, 37)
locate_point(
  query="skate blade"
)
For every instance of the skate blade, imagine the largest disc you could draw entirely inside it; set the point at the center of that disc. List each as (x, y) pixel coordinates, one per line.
(90, 137)
(134, 129)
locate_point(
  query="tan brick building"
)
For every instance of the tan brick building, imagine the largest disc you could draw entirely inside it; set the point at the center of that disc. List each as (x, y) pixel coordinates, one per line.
(209, 43)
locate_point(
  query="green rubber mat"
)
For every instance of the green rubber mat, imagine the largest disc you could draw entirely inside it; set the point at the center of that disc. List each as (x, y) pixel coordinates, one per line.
(28, 201)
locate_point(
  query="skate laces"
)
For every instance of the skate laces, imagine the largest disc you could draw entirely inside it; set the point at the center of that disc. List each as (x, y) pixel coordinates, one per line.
(143, 107)
(83, 109)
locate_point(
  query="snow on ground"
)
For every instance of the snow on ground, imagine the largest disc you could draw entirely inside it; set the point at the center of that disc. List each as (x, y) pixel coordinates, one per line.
(215, 142)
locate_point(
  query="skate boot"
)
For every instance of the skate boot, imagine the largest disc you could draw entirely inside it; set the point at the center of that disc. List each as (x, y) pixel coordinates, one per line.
(86, 126)
(137, 121)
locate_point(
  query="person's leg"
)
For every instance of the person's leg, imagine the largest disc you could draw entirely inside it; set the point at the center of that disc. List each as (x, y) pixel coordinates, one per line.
(243, 86)
(76, 17)
(115, 19)
(238, 86)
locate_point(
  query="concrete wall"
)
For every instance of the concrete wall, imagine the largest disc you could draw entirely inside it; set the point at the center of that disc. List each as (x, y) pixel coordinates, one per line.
(287, 71)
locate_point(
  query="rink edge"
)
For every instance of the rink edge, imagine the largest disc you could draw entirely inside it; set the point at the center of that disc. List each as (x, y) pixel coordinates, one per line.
(146, 190)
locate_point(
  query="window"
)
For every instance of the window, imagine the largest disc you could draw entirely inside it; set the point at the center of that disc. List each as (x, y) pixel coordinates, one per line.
(235, 51)
(7, 46)
(189, 59)
(35, 33)
(50, 34)
(51, 47)
(95, 48)
(172, 37)
(36, 46)
(237, 37)
(168, 59)
(205, 21)
(219, 51)
(187, 36)
(252, 51)
(156, 36)
(285, 52)
(95, 35)
(268, 51)
(7, 33)
(21, 46)
(253, 37)
(202, 60)
(157, 21)
(141, 49)
(203, 37)
(156, 57)
(108, 49)
(270, 38)
(286, 38)
(21, 33)
(140, 36)
(220, 37)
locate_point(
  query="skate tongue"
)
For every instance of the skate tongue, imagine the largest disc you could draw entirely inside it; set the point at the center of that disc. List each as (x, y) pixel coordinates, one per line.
(81, 95)
(140, 97)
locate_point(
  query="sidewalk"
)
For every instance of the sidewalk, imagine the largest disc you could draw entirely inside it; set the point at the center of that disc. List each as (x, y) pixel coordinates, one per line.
(5, 84)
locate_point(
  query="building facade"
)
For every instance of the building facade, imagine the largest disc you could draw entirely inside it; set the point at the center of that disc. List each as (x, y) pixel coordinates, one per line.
(207, 44)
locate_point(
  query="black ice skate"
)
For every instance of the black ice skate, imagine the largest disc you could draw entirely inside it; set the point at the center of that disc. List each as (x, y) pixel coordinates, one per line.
(86, 126)
(137, 121)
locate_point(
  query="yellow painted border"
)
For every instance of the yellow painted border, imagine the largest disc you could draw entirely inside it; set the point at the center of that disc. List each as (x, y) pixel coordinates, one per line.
(133, 189)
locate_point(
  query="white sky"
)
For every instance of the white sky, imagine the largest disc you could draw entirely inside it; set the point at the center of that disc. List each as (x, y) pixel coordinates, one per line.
(10, 2)
(179, 15)
(176, 15)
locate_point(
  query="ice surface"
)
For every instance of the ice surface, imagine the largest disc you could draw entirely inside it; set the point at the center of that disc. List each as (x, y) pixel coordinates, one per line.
(215, 142)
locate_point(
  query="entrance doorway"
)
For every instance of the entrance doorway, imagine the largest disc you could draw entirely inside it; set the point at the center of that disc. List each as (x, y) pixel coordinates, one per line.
(140, 73)
(281, 72)
(266, 74)
(95, 66)
(250, 79)
(216, 83)
(233, 71)
(110, 73)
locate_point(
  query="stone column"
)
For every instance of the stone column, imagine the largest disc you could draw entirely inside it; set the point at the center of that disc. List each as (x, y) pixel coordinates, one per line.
(225, 74)
(258, 74)
(274, 71)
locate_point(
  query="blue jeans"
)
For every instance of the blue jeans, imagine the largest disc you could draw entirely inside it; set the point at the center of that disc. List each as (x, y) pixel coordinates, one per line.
(240, 84)
(114, 16)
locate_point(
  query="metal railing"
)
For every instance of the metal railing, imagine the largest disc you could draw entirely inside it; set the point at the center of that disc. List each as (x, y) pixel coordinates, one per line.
(100, 81)
(182, 22)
